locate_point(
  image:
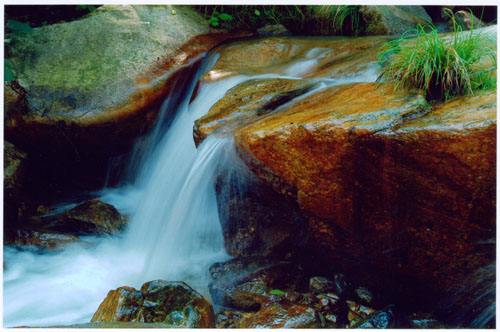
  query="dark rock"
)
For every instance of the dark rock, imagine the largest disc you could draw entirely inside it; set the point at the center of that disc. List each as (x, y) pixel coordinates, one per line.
(390, 20)
(227, 319)
(246, 283)
(382, 319)
(158, 301)
(321, 285)
(275, 30)
(364, 294)
(90, 217)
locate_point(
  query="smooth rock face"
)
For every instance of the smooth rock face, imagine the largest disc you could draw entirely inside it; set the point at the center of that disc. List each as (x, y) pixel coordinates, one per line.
(90, 217)
(93, 85)
(390, 20)
(158, 301)
(323, 57)
(384, 180)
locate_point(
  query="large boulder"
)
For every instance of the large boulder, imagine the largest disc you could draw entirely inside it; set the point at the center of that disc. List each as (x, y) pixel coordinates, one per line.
(158, 301)
(385, 180)
(14, 172)
(391, 20)
(93, 85)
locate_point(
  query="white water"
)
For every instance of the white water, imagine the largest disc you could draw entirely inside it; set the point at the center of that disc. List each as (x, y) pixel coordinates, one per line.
(174, 232)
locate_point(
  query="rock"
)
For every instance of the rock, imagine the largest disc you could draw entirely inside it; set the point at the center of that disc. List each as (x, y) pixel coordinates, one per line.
(467, 21)
(391, 20)
(407, 189)
(41, 239)
(101, 78)
(246, 102)
(364, 294)
(158, 301)
(120, 305)
(274, 30)
(227, 319)
(90, 217)
(382, 319)
(14, 175)
(326, 57)
(277, 315)
(321, 285)
(246, 283)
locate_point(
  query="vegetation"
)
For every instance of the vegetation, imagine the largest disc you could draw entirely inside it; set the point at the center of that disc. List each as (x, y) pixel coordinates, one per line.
(300, 19)
(441, 66)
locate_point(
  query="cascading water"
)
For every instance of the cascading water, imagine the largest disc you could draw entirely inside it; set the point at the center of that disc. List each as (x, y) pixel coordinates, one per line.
(174, 231)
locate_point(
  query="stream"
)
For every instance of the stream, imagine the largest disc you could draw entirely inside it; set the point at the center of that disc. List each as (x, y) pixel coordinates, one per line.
(173, 233)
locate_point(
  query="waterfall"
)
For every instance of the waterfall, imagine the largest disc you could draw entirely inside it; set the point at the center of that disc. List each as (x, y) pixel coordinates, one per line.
(173, 233)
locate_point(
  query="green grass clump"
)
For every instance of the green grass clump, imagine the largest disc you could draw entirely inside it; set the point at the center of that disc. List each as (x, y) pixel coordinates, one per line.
(299, 19)
(441, 66)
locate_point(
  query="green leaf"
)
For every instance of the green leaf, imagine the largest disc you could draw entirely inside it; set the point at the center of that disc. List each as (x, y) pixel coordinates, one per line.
(8, 75)
(276, 292)
(257, 12)
(19, 26)
(225, 17)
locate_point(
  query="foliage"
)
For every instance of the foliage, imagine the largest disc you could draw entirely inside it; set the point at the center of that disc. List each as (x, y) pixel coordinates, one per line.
(217, 17)
(300, 19)
(276, 292)
(441, 66)
(19, 28)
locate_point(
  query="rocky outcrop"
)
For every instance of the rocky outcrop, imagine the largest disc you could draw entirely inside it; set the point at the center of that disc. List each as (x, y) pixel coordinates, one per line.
(391, 20)
(158, 301)
(101, 78)
(384, 180)
(45, 240)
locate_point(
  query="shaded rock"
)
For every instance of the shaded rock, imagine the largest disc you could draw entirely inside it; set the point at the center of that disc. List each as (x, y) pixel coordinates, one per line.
(464, 19)
(298, 57)
(275, 30)
(385, 180)
(321, 285)
(227, 319)
(101, 78)
(382, 319)
(41, 239)
(246, 283)
(364, 294)
(90, 217)
(14, 175)
(278, 315)
(158, 301)
(112, 325)
(391, 20)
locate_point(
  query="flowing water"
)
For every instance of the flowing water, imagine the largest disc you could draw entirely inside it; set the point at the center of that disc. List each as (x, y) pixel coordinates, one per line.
(174, 231)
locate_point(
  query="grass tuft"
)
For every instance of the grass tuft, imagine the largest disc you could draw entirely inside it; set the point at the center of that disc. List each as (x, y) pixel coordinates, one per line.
(441, 66)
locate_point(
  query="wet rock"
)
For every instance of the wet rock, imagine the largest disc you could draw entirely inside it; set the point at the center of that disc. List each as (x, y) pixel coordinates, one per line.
(364, 294)
(275, 30)
(425, 321)
(101, 78)
(382, 319)
(321, 285)
(246, 283)
(328, 57)
(278, 315)
(90, 217)
(227, 319)
(385, 180)
(391, 20)
(158, 301)
(41, 239)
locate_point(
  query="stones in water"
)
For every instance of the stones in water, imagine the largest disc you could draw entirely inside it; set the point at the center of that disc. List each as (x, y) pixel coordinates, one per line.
(90, 217)
(390, 20)
(46, 240)
(158, 301)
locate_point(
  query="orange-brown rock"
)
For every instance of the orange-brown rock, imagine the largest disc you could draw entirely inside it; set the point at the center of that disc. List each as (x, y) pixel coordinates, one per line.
(384, 180)
(158, 301)
(326, 57)
(26, 238)
(279, 315)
